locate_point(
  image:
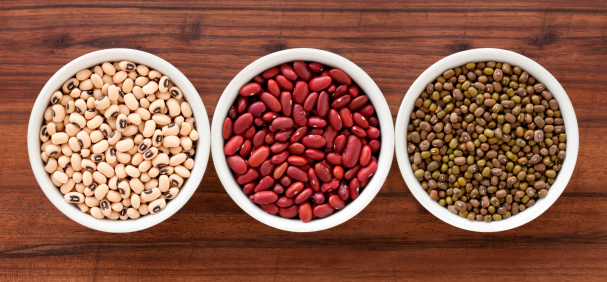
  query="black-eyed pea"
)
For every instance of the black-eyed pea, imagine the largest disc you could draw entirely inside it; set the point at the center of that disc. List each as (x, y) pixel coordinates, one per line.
(85, 95)
(114, 138)
(127, 85)
(77, 177)
(163, 150)
(83, 207)
(112, 183)
(106, 86)
(149, 183)
(133, 213)
(182, 171)
(172, 193)
(189, 120)
(71, 130)
(143, 209)
(136, 158)
(131, 75)
(101, 191)
(172, 141)
(145, 177)
(145, 166)
(141, 81)
(48, 113)
(186, 110)
(110, 156)
(88, 165)
(56, 182)
(156, 138)
(164, 183)
(163, 84)
(90, 106)
(52, 150)
(173, 107)
(176, 180)
(189, 163)
(83, 74)
(126, 202)
(135, 201)
(59, 138)
(161, 119)
(154, 172)
(132, 171)
(194, 135)
(136, 185)
(51, 128)
(120, 170)
(117, 207)
(130, 130)
(170, 130)
(83, 139)
(177, 159)
(123, 158)
(123, 215)
(87, 178)
(97, 157)
(96, 136)
(150, 195)
(44, 136)
(131, 102)
(44, 156)
(75, 93)
(121, 123)
(154, 75)
(86, 85)
(70, 106)
(185, 129)
(56, 97)
(111, 112)
(80, 188)
(49, 143)
(69, 85)
(76, 161)
(106, 169)
(144, 114)
(102, 103)
(160, 160)
(91, 201)
(134, 119)
(150, 88)
(114, 215)
(151, 98)
(114, 196)
(80, 106)
(113, 93)
(95, 122)
(96, 80)
(119, 76)
(163, 96)
(60, 176)
(143, 70)
(124, 189)
(97, 213)
(63, 161)
(97, 94)
(176, 92)
(106, 209)
(89, 191)
(144, 145)
(100, 146)
(175, 150)
(127, 66)
(58, 112)
(99, 177)
(60, 126)
(186, 142)
(74, 198)
(157, 205)
(108, 68)
(167, 170)
(106, 129)
(67, 187)
(124, 145)
(149, 129)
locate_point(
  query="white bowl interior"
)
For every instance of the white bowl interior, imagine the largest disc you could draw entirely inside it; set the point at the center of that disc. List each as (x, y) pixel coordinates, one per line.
(477, 55)
(202, 146)
(365, 83)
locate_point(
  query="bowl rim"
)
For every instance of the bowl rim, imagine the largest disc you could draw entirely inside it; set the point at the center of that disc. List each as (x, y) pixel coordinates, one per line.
(476, 55)
(366, 84)
(87, 61)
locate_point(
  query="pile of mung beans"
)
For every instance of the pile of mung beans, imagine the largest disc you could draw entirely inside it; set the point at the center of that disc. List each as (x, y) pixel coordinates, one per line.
(118, 140)
(486, 140)
(302, 140)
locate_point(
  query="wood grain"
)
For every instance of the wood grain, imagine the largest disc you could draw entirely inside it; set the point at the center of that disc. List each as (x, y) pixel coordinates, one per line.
(394, 238)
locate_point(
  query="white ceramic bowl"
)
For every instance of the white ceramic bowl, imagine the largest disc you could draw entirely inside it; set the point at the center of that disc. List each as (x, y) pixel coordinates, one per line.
(365, 83)
(87, 61)
(477, 55)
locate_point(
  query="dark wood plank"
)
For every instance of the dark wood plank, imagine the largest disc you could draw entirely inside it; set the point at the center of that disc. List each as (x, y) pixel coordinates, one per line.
(394, 238)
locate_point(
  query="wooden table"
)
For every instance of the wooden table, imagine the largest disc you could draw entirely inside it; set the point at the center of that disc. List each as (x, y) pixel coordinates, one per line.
(394, 238)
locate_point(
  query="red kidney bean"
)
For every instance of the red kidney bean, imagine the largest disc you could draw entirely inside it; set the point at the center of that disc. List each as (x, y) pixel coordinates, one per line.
(270, 101)
(329, 186)
(373, 132)
(358, 102)
(299, 115)
(259, 121)
(302, 70)
(353, 188)
(297, 161)
(351, 153)
(250, 175)
(288, 71)
(278, 189)
(259, 79)
(331, 88)
(299, 134)
(300, 92)
(317, 122)
(286, 103)
(322, 106)
(257, 108)
(297, 149)
(305, 212)
(373, 121)
(279, 147)
(266, 168)
(289, 212)
(338, 172)
(270, 73)
(269, 116)
(358, 131)
(340, 91)
(284, 202)
(367, 110)
(297, 174)
(281, 123)
(319, 83)
(249, 132)
(279, 171)
(284, 82)
(318, 197)
(265, 197)
(232, 113)
(330, 135)
(310, 102)
(375, 145)
(322, 172)
(232, 146)
(364, 183)
(341, 102)
(340, 76)
(334, 159)
(242, 123)
(227, 128)
(360, 120)
(279, 158)
(335, 119)
(323, 210)
(336, 202)
(273, 88)
(283, 135)
(316, 131)
(353, 91)
(351, 173)
(294, 189)
(365, 155)
(246, 148)
(237, 164)
(314, 182)
(270, 208)
(259, 156)
(303, 195)
(248, 188)
(339, 144)
(346, 117)
(343, 191)
(315, 154)
(259, 138)
(285, 180)
(266, 183)
(241, 105)
(313, 141)
(366, 172)
(250, 89)
(316, 67)
(270, 139)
